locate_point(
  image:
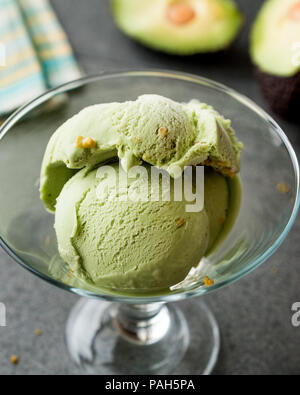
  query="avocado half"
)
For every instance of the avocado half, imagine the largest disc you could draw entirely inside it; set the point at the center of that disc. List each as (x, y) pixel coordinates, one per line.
(180, 27)
(275, 50)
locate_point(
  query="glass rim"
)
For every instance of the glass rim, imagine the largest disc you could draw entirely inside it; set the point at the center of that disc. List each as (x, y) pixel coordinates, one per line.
(244, 100)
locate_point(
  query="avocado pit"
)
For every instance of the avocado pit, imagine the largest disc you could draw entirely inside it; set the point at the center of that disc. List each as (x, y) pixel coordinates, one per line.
(294, 12)
(180, 13)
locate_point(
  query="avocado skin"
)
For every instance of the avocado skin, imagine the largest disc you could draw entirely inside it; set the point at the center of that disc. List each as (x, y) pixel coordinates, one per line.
(281, 93)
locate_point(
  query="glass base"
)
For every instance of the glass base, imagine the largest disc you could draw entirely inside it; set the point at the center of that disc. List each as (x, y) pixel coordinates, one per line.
(110, 339)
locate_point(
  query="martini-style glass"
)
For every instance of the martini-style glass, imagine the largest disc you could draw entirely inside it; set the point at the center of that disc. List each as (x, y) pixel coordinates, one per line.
(114, 332)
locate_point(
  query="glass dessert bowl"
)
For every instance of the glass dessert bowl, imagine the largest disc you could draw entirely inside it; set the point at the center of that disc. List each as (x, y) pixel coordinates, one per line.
(111, 332)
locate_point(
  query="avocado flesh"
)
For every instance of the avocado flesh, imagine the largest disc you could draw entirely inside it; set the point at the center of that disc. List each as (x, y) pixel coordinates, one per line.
(275, 50)
(275, 38)
(212, 26)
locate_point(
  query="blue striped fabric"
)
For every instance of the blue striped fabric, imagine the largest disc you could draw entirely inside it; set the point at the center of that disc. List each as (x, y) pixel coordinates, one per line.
(35, 54)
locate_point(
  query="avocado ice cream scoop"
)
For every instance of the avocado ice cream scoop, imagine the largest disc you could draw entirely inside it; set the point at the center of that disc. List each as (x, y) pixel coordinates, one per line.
(138, 245)
(135, 245)
(152, 129)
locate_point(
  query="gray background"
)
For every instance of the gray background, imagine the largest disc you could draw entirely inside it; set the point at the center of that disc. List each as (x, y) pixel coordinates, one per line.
(254, 314)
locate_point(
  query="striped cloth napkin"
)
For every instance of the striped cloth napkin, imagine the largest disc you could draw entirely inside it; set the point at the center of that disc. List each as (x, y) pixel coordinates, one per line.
(35, 54)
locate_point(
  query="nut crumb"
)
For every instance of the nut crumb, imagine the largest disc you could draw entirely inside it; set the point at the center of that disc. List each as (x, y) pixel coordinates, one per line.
(38, 332)
(164, 132)
(14, 359)
(208, 282)
(89, 143)
(79, 142)
(228, 172)
(275, 270)
(180, 222)
(283, 188)
(207, 162)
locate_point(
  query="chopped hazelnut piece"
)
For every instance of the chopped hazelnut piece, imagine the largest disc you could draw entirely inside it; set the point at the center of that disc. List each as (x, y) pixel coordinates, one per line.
(283, 188)
(228, 172)
(38, 332)
(14, 359)
(180, 222)
(89, 143)
(79, 142)
(180, 13)
(163, 132)
(221, 164)
(208, 282)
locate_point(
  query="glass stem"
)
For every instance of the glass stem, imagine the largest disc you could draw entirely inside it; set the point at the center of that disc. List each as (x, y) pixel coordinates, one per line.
(143, 323)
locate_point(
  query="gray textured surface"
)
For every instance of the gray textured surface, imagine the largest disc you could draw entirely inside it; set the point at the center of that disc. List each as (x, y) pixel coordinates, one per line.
(254, 314)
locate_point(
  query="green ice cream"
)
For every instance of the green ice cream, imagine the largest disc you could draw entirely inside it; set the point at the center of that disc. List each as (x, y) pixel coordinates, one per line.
(142, 246)
(135, 245)
(153, 129)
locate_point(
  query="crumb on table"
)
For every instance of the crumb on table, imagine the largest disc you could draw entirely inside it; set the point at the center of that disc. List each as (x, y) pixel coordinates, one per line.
(275, 270)
(283, 188)
(38, 332)
(14, 359)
